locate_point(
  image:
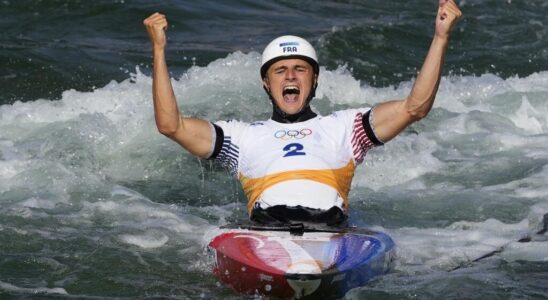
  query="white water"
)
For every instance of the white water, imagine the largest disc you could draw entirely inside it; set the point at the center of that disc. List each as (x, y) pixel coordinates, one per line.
(469, 179)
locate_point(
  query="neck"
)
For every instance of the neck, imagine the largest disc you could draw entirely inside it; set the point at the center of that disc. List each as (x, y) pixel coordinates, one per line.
(279, 115)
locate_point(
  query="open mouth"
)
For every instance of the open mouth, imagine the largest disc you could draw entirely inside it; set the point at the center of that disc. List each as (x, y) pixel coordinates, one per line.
(291, 93)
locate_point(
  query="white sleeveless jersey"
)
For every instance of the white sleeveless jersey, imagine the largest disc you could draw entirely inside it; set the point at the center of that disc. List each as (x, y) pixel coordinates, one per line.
(308, 163)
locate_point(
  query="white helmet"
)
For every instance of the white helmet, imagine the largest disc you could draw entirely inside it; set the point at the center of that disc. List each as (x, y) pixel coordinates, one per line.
(288, 46)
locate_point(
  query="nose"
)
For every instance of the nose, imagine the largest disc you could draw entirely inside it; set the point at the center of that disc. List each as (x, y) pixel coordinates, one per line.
(290, 74)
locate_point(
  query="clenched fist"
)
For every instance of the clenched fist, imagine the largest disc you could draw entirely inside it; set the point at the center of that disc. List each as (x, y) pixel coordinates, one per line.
(448, 15)
(156, 26)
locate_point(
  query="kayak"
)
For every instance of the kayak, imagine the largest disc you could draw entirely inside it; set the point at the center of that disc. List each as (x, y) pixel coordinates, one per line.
(294, 262)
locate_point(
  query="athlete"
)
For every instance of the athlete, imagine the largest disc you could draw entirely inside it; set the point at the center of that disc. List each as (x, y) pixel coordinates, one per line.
(296, 166)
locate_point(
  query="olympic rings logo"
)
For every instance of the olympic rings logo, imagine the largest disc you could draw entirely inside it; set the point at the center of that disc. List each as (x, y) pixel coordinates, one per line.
(292, 134)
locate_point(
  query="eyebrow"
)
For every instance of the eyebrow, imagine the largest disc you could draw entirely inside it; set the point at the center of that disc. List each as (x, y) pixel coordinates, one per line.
(286, 67)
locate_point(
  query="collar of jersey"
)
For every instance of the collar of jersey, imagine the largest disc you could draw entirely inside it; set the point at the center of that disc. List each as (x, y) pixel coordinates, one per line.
(281, 117)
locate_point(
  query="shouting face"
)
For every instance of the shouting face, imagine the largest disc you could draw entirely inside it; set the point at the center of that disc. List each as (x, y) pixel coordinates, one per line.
(290, 81)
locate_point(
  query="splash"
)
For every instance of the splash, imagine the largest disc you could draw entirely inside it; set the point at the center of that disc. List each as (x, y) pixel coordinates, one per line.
(92, 169)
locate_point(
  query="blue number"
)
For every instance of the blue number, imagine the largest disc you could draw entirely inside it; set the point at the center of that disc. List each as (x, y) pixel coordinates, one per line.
(294, 149)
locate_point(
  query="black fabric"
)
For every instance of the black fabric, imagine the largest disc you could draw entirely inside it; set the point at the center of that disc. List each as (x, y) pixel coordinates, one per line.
(369, 129)
(282, 214)
(219, 137)
(279, 115)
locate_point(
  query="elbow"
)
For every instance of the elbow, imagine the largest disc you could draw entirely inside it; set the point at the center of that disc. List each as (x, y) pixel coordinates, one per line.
(420, 111)
(417, 115)
(168, 131)
(168, 126)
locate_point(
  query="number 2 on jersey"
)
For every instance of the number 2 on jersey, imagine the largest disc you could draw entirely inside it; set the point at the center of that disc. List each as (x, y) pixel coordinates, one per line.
(294, 149)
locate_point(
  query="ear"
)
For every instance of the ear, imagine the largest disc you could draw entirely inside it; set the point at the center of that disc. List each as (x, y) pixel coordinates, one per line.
(315, 81)
(266, 84)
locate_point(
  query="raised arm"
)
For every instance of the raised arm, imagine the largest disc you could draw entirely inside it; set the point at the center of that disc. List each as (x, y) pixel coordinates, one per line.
(193, 134)
(390, 118)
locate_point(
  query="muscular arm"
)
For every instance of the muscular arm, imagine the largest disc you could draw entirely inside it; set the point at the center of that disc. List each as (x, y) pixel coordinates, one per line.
(191, 133)
(390, 118)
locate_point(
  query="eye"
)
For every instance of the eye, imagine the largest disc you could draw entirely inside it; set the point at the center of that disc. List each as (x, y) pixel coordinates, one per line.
(279, 70)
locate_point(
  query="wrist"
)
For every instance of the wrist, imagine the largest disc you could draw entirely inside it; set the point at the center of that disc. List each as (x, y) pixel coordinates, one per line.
(158, 48)
(158, 52)
(441, 38)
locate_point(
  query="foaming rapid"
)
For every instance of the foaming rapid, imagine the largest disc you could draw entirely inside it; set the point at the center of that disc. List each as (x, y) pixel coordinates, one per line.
(87, 183)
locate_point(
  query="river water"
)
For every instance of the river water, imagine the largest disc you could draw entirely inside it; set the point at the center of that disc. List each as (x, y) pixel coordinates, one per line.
(95, 203)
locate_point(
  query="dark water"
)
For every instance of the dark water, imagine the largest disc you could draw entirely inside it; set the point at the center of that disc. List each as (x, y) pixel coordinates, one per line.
(94, 203)
(48, 47)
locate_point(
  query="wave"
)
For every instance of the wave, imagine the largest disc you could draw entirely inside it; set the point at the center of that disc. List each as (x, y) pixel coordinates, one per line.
(479, 155)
